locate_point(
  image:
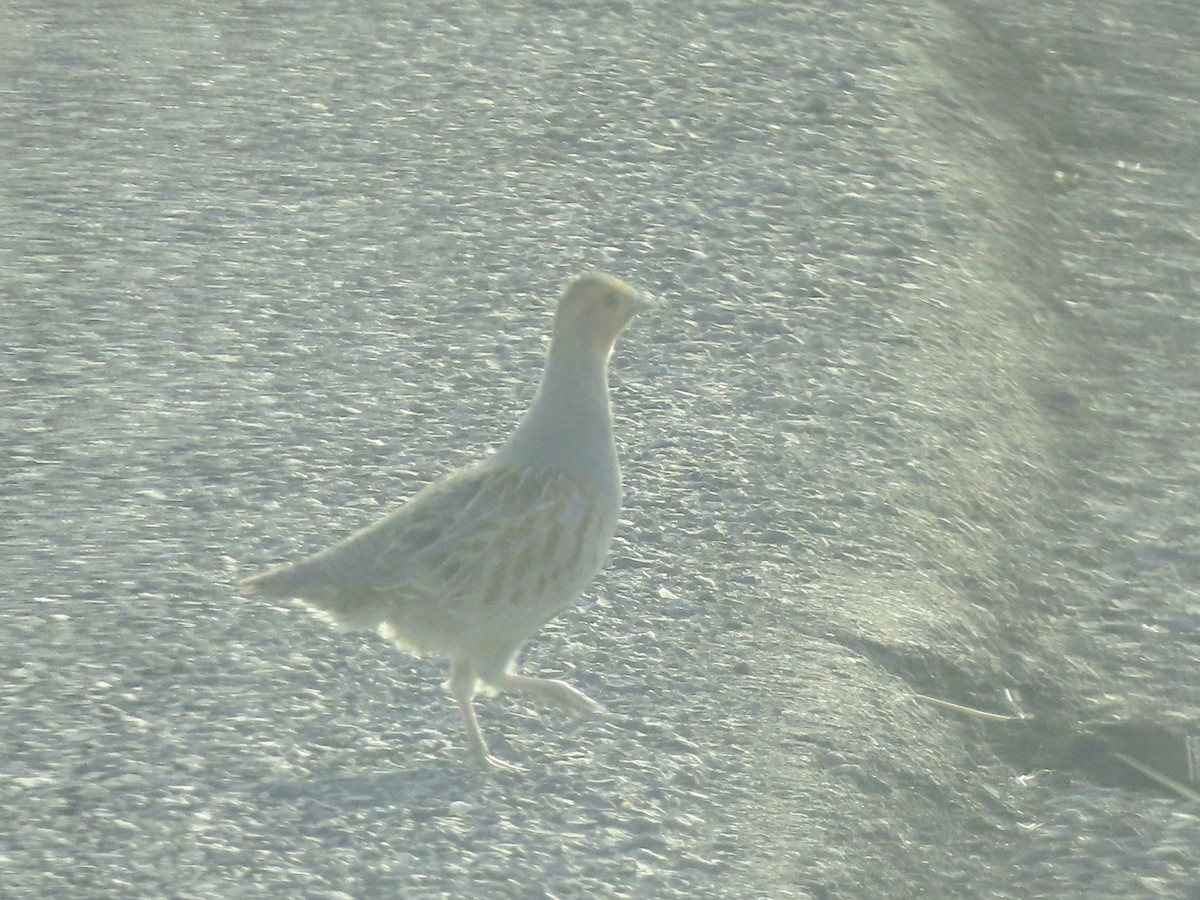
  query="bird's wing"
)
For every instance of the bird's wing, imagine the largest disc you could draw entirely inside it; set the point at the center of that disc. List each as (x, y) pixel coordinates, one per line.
(491, 530)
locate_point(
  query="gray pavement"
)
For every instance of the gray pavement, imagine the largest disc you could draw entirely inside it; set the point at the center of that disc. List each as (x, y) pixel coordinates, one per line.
(921, 418)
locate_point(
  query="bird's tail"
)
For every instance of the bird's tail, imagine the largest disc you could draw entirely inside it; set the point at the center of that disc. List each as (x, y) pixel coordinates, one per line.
(277, 582)
(342, 606)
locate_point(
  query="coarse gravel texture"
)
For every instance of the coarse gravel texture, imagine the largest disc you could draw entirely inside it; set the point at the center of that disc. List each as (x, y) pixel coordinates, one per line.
(921, 416)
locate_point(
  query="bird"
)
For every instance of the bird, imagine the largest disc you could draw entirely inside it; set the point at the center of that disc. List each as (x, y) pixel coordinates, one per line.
(472, 566)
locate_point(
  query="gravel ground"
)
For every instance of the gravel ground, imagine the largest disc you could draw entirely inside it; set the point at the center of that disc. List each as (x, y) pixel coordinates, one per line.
(922, 416)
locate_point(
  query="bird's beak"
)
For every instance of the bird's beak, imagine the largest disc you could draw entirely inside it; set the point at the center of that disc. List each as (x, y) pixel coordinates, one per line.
(644, 302)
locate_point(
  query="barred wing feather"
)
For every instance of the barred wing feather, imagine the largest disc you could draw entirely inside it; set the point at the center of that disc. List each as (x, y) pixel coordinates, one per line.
(492, 535)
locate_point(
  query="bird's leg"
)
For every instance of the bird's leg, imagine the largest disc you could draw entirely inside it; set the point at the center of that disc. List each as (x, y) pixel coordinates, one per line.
(461, 685)
(558, 693)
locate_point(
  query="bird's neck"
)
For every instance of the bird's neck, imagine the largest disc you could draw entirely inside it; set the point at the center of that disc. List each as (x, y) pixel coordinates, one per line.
(568, 427)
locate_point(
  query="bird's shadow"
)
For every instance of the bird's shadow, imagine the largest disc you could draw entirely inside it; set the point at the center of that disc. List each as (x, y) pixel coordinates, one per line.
(422, 785)
(564, 752)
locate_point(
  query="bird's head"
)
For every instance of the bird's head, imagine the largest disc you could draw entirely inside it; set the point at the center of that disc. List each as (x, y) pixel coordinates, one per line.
(593, 311)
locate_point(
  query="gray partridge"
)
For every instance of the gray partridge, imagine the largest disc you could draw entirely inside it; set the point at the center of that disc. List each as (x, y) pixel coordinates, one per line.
(474, 564)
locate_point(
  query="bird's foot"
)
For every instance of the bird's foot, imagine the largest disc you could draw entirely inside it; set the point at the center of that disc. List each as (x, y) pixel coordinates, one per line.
(490, 763)
(572, 701)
